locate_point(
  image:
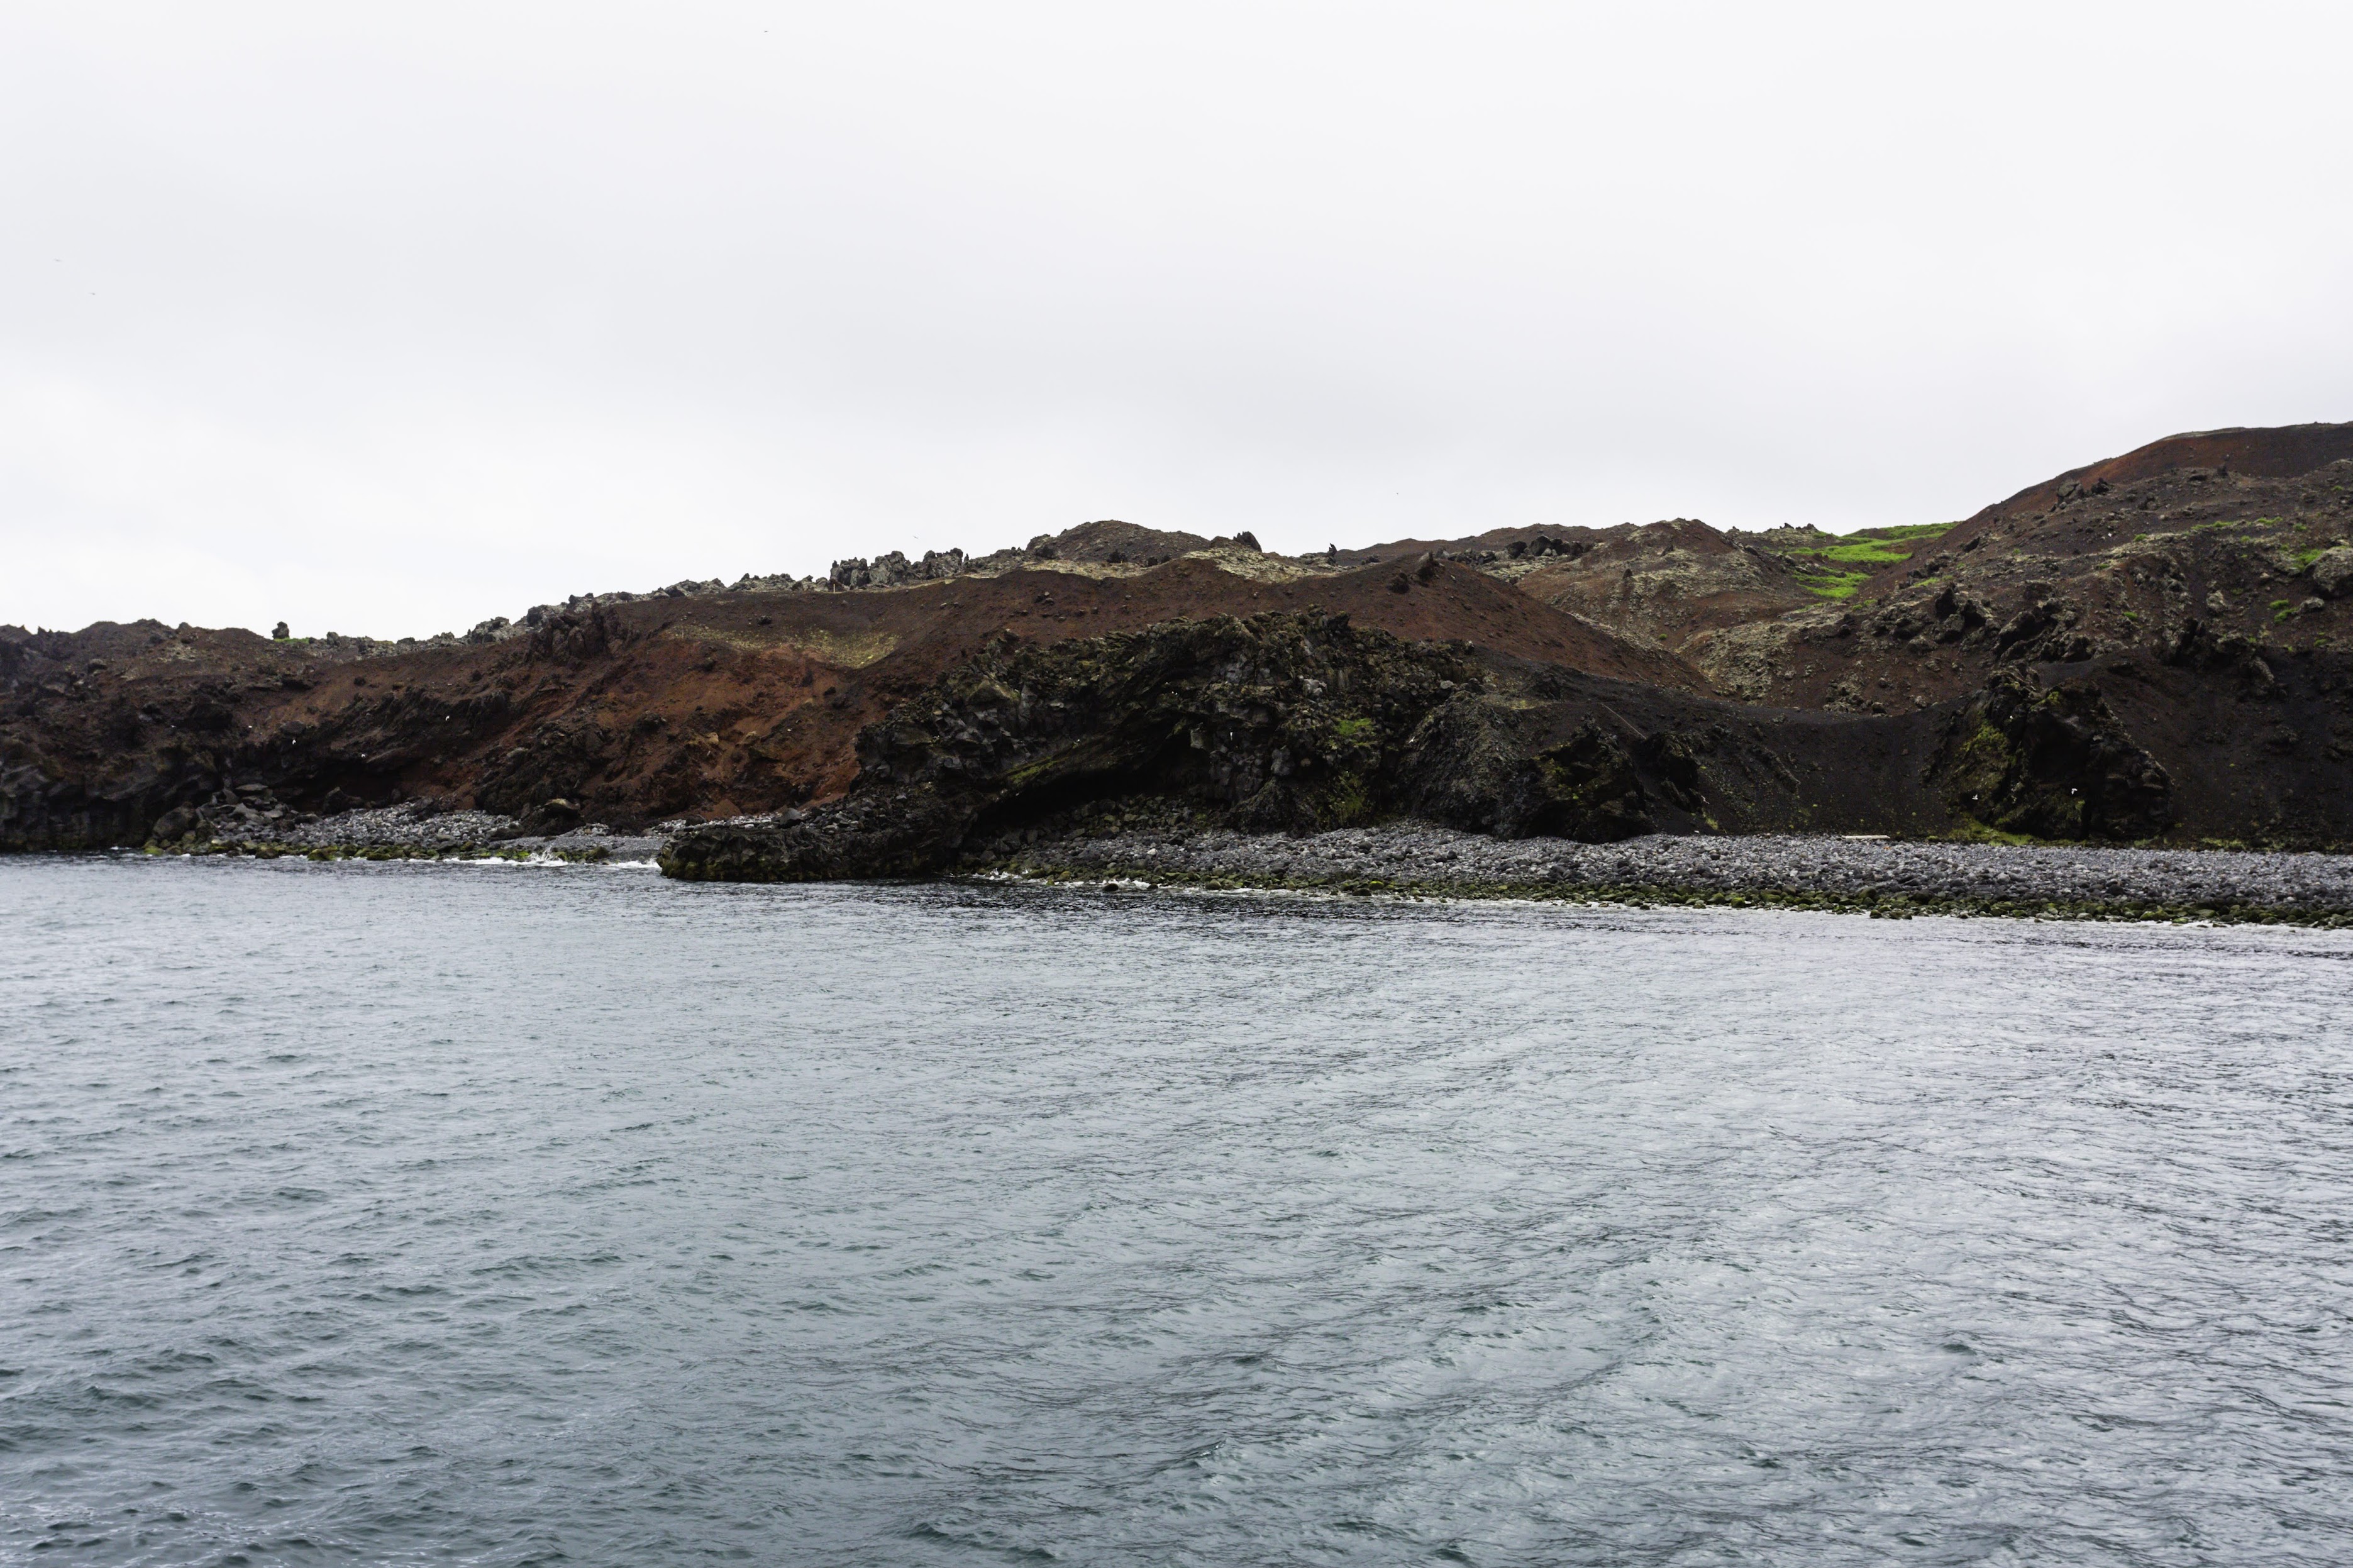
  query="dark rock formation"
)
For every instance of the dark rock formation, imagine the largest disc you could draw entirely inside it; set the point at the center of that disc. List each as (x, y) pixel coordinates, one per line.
(1301, 722)
(895, 570)
(2051, 764)
(1282, 722)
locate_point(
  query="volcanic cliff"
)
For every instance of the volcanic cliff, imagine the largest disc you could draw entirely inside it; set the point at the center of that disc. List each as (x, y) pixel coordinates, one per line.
(2147, 648)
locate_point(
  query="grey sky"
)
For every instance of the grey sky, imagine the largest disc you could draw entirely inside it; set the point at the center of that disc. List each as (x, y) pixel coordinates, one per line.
(389, 320)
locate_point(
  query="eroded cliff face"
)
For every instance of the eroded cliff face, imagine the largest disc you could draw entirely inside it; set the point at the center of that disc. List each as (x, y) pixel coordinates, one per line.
(105, 731)
(1303, 723)
(688, 705)
(1282, 722)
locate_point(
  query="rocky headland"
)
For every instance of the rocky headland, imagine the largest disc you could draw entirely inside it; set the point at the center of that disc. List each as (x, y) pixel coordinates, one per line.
(2149, 651)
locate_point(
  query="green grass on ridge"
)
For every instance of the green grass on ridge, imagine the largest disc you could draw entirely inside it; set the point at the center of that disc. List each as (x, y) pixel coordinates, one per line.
(1835, 569)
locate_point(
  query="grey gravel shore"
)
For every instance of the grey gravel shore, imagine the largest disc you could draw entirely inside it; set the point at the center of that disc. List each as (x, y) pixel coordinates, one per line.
(1879, 875)
(1889, 877)
(417, 830)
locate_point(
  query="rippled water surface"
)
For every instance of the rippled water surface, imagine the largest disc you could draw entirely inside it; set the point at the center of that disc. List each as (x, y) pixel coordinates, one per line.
(426, 1214)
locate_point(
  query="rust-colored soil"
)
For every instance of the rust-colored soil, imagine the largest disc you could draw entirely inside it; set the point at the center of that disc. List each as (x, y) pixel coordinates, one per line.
(2275, 452)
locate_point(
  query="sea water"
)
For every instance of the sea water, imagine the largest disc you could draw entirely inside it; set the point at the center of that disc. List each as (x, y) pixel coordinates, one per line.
(431, 1213)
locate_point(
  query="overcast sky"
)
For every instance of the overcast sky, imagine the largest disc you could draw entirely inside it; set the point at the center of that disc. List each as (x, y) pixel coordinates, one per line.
(389, 319)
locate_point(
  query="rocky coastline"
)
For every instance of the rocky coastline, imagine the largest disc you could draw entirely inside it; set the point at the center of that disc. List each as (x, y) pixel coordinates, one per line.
(2150, 652)
(1172, 850)
(1884, 878)
(412, 831)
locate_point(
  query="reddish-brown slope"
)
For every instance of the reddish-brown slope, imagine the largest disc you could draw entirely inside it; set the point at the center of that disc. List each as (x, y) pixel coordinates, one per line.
(703, 705)
(2272, 452)
(784, 739)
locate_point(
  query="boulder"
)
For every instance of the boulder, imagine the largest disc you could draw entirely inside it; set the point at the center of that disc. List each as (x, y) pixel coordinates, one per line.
(175, 825)
(551, 817)
(2332, 573)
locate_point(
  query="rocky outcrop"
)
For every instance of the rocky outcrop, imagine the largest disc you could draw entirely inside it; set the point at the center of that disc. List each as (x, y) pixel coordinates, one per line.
(2051, 764)
(1287, 722)
(1280, 721)
(894, 570)
(1107, 543)
(1667, 582)
(1303, 723)
(1490, 764)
